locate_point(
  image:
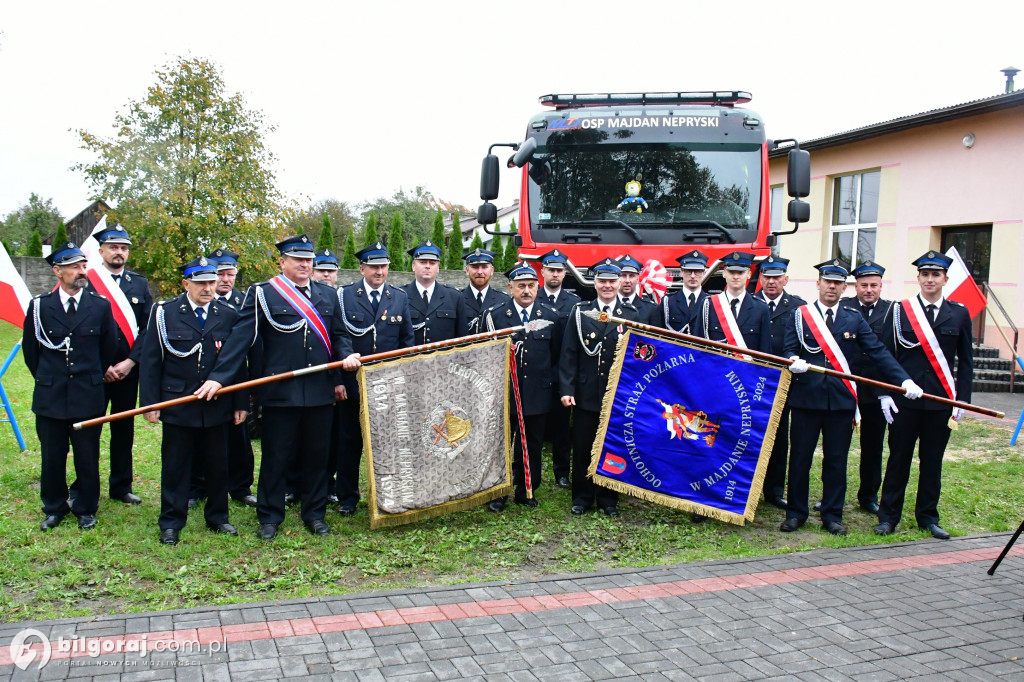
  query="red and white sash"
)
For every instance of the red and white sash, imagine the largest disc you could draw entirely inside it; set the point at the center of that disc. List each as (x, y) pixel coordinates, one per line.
(730, 327)
(302, 305)
(103, 284)
(819, 330)
(930, 344)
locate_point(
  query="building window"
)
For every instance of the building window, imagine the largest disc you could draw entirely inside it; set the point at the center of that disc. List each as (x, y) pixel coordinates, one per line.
(855, 216)
(776, 205)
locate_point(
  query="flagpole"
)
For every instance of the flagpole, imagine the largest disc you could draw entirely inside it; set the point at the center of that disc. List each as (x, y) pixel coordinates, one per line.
(6, 401)
(366, 359)
(605, 317)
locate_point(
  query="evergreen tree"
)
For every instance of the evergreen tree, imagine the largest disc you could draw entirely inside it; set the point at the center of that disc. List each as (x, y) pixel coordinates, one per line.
(62, 234)
(455, 245)
(396, 244)
(370, 233)
(349, 260)
(511, 250)
(326, 238)
(437, 237)
(499, 253)
(35, 245)
(477, 242)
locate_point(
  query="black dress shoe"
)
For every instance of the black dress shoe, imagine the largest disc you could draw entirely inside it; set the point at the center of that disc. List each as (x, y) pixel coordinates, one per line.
(563, 482)
(332, 499)
(834, 527)
(51, 521)
(697, 518)
(790, 525)
(267, 531)
(529, 502)
(884, 528)
(346, 509)
(817, 506)
(192, 503)
(225, 528)
(871, 507)
(169, 536)
(610, 510)
(128, 498)
(247, 500)
(496, 506)
(86, 521)
(577, 510)
(318, 527)
(289, 499)
(937, 531)
(778, 501)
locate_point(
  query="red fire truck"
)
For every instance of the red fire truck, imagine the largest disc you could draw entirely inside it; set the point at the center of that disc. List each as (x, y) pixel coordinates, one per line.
(655, 175)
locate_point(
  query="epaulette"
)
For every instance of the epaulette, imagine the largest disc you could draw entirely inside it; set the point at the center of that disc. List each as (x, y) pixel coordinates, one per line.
(547, 305)
(135, 274)
(167, 300)
(956, 303)
(93, 292)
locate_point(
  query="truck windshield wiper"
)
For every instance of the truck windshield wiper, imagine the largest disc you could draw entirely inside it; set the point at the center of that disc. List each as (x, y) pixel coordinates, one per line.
(606, 223)
(714, 225)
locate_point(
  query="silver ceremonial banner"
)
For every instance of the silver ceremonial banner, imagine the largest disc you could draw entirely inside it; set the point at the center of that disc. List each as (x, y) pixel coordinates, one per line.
(436, 432)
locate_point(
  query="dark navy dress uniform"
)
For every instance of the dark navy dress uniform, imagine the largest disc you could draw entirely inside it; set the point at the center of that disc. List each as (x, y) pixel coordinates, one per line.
(679, 308)
(443, 318)
(924, 423)
(67, 356)
(649, 312)
(560, 416)
(296, 411)
(474, 303)
(177, 357)
(823, 405)
(536, 356)
(751, 318)
(367, 331)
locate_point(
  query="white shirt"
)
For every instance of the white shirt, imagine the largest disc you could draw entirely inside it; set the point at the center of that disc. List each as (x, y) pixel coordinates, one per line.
(548, 292)
(776, 300)
(429, 291)
(380, 292)
(481, 292)
(519, 311)
(206, 308)
(822, 308)
(65, 297)
(730, 298)
(925, 304)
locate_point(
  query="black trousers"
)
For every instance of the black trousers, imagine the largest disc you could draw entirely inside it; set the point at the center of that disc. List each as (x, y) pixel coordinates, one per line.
(56, 437)
(835, 427)
(584, 491)
(560, 435)
(334, 459)
(122, 395)
(929, 431)
(241, 464)
(775, 473)
(182, 448)
(301, 435)
(872, 438)
(349, 451)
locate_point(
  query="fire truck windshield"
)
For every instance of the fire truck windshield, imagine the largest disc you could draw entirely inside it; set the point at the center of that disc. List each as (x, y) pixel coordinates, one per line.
(638, 187)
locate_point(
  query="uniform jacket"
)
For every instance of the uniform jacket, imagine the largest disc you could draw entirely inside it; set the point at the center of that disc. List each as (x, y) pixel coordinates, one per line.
(781, 318)
(752, 320)
(676, 313)
(649, 312)
(474, 309)
(536, 352)
(443, 319)
(274, 351)
(862, 365)
(165, 376)
(563, 304)
(815, 391)
(136, 290)
(582, 375)
(235, 299)
(70, 386)
(952, 328)
(392, 322)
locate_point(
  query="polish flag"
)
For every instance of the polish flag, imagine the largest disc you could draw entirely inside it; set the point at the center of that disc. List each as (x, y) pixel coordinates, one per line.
(961, 287)
(14, 295)
(103, 284)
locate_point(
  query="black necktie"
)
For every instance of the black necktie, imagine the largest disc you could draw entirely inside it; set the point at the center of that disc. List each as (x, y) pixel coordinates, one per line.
(604, 309)
(771, 307)
(117, 279)
(426, 301)
(374, 300)
(865, 310)
(480, 299)
(931, 312)
(735, 304)
(551, 299)
(828, 319)
(72, 309)
(691, 300)
(201, 316)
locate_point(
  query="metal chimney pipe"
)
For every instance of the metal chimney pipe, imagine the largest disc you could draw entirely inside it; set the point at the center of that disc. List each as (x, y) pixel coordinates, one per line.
(1010, 72)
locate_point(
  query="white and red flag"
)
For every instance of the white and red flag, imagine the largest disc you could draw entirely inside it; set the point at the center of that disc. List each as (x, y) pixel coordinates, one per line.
(14, 295)
(961, 287)
(103, 284)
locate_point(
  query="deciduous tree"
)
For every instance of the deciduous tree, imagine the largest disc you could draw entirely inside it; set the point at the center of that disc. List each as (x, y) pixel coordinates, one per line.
(38, 214)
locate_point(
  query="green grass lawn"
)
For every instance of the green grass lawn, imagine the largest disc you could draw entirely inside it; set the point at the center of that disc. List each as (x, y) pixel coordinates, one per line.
(120, 567)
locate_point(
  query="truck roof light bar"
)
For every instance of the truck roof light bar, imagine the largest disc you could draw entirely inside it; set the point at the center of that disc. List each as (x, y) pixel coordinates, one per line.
(718, 97)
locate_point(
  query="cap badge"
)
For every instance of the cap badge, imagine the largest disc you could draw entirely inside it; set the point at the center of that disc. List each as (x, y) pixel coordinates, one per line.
(218, 253)
(836, 262)
(69, 245)
(736, 255)
(427, 243)
(118, 228)
(931, 254)
(203, 261)
(304, 239)
(867, 262)
(556, 252)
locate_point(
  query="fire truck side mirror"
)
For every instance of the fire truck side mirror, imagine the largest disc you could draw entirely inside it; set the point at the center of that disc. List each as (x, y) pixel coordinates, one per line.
(798, 211)
(487, 214)
(798, 173)
(489, 178)
(524, 153)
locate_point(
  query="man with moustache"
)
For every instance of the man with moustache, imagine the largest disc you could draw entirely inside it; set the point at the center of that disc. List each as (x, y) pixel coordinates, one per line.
(478, 295)
(734, 316)
(186, 335)
(437, 310)
(679, 309)
(588, 349)
(536, 358)
(773, 277)
(69, 341)
(227, 273)
(629, 294)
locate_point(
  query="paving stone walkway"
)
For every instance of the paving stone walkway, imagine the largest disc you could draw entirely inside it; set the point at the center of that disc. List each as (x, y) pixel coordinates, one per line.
(919, 610)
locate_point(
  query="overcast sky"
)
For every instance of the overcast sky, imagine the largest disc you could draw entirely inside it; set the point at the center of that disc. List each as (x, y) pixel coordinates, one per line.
(370, 97)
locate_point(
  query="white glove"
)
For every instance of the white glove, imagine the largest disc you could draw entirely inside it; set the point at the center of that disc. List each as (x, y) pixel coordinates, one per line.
(799, 366)
(958, 413)
(888, 408)
(913, 390)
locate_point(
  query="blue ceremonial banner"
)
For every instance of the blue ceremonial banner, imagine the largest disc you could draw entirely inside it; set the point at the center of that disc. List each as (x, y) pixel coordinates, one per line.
(688, 426)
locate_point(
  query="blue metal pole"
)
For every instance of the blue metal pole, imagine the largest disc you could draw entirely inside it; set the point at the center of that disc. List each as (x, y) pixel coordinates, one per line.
(1020, 422)
(7, 403)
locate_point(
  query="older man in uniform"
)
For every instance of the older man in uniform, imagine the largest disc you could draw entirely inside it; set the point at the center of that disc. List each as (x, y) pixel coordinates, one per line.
(376, 319)
(773, 279)
(69, 341)
(588, 349)
(826, 334)
(679, 309)
(553, 268)
(734, 316)
(629, 293)
(536, 357)
(292, 322)
(186, 335)
(478, 295)
(122, 377)
(227, 273)
(438, 311)
(930, 336)
(325, 267)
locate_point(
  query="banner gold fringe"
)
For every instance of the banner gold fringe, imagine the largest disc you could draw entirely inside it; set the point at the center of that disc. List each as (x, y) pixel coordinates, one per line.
(380, 519)
(667, 500)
